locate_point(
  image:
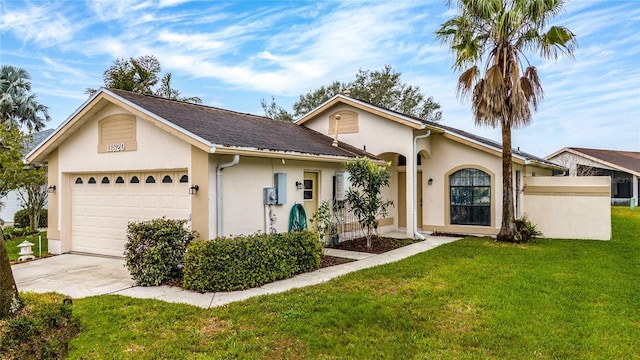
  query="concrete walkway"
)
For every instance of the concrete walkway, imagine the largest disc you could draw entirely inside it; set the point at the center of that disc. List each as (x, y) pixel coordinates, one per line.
(82, 275)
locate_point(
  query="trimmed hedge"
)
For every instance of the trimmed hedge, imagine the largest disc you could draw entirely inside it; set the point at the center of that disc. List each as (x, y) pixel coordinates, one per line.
(154, 251)
(41, 330)
(21, 218)
(243, 262)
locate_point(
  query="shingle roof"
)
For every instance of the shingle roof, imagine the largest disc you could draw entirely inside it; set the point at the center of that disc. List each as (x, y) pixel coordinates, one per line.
(233, 129)
(628, 160)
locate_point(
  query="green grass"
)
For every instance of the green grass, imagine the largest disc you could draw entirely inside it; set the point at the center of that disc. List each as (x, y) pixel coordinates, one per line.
(13, 250)
(472, 299)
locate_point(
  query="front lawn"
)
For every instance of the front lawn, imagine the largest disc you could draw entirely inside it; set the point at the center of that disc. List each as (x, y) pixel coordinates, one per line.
(471, 299)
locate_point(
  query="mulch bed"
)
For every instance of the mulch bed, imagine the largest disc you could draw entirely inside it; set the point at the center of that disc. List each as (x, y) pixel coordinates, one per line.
(379, 244)
(327, 261)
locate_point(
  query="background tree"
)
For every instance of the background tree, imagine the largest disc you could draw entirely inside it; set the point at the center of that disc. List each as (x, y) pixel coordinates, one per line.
(489, 39)
(274, 111)
(165, 90)
(33, 193)
(140, 75)
(383, 88)
(11, 152)
(367, 179)
(18, 108)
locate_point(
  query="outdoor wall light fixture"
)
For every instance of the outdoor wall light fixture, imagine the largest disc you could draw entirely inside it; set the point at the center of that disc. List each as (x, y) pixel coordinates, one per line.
(193, 189)
(51, 189)
(430, 181)
(298, 185)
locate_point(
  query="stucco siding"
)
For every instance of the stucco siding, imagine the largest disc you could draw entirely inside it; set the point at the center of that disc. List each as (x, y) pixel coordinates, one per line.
(243, 184)
(156, 149)
(570, 207)
(376, 135)
(446, 156)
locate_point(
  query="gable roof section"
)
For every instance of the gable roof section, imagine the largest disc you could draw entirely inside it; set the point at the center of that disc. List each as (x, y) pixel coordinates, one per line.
(452, 133)
(210, 128)
(625, 161)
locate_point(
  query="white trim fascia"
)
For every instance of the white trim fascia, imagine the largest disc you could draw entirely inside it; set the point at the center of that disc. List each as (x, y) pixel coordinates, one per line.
(293, 155)
(498, 149)
(347, 98)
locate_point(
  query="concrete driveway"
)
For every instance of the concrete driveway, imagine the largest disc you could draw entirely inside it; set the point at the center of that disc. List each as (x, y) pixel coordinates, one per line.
(73, 275)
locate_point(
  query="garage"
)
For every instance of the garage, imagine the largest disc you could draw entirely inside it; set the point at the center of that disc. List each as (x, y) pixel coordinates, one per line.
(102, 204)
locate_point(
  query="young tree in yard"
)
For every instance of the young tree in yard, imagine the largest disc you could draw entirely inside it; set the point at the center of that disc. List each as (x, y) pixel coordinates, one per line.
(367, 179)
(18, 107)
(383, 88)
(489, 39)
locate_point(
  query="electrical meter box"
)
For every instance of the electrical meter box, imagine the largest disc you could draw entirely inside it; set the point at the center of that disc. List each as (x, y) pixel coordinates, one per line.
(341, 185)
(280, 183)
(269, 196)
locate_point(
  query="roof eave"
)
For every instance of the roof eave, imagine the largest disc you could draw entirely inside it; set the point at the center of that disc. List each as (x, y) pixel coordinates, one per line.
(361, 105)
(40, 153)
(287, 155)
(595, 159)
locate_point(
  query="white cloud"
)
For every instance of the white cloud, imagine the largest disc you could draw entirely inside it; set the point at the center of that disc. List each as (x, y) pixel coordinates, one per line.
(39, 24)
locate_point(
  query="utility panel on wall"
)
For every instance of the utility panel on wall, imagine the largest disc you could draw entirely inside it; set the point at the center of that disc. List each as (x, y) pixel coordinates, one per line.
(280, 183)
(269, 196)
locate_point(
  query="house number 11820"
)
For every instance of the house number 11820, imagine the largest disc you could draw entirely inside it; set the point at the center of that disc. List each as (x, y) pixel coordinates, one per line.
(115, 147)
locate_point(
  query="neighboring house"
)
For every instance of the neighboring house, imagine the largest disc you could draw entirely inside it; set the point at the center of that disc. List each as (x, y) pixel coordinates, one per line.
(123, 156)
(622, 166)
(12, 203)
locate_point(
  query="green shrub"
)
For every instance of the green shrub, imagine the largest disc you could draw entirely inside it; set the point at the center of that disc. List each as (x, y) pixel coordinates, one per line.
(21, 218)
(526, 230)
(154, 251)
(41, 330)
(12, 232)
(243, 262)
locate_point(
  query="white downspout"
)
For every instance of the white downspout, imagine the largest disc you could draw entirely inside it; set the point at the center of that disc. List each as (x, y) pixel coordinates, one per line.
(415, 185)
(234, 162)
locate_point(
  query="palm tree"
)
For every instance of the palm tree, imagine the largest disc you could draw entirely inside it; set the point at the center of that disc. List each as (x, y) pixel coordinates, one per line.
(18, 107)
(489, 39)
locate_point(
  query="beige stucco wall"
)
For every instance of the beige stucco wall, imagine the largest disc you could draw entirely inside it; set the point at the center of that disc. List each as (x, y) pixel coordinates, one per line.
(384, 138)
(156, 150)
(243, 184)
(448, 156)
(570, 207)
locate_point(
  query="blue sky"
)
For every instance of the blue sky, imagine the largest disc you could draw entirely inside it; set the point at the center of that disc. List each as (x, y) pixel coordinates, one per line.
(233, 54)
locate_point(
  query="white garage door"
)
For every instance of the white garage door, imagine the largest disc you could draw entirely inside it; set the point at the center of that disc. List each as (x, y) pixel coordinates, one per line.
(103, 204)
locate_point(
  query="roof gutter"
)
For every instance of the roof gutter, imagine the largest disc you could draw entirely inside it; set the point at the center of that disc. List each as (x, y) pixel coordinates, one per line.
(234, 162)
(415, 186)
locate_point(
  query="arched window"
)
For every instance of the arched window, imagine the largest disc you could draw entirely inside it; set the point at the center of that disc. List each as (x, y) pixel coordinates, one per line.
(134, 180)
(184, 179)
(78, 180)
(150, 180)
(119, 180)
(105, 180)
(470, 197)
(92, 180)
(167, 179)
